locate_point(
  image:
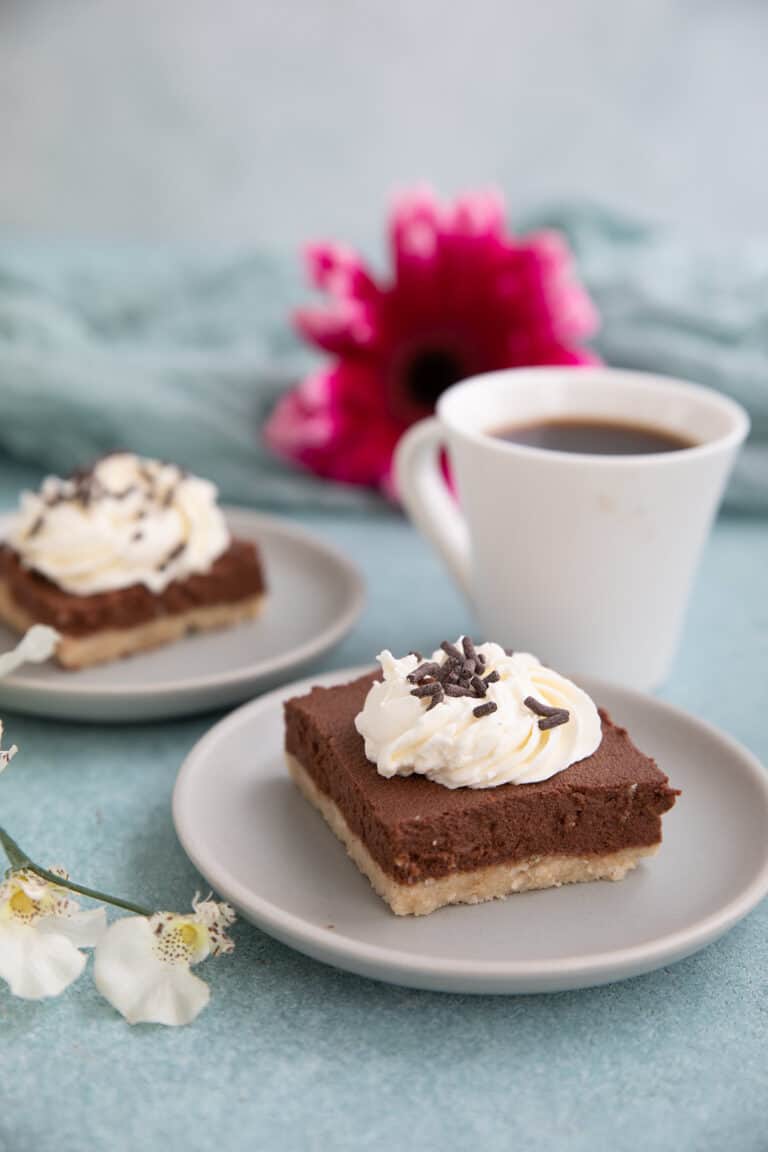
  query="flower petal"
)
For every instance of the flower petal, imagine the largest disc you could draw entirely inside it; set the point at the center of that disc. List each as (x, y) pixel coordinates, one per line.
(83, 929)
(141, 986)
(36, 964)
(339, 271)
(344, 327)
(36, 645)
(552, 283)
(302, 421)
(336, 423)
(414, 225)
(477, 214)
(217, 916)
(566, 354)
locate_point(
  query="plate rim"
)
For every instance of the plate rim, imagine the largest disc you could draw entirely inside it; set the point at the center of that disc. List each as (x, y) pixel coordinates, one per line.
(326, 945)
(294, 657)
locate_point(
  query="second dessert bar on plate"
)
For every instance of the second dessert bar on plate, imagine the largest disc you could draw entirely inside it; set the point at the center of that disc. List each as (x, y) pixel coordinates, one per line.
(128, 555)
(446, 791)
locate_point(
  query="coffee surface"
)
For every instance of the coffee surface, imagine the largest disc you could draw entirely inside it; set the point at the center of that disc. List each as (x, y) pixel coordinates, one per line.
(595, 437)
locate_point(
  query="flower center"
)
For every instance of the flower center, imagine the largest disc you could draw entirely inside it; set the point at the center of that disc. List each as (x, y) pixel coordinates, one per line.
(429, 372)
(21, 904)
(188, 933)
(179, 940)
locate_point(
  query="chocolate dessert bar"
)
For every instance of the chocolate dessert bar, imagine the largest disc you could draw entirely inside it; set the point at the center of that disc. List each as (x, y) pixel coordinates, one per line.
(126, 556)
(423, 845)
(108, 625)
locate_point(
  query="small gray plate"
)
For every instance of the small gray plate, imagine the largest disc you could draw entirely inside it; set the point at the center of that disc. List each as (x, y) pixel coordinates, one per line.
(261, 846)
(315, 596)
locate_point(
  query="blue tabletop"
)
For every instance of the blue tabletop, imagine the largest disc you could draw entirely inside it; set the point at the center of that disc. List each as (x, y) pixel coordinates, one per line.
(292, 1054)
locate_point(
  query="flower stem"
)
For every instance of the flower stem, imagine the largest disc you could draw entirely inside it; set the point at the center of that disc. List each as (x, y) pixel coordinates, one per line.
(12, 850)
(19, 859)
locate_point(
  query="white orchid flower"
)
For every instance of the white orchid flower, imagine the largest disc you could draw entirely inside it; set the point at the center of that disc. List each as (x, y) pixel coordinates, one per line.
(41, 933)
(36, 646)
(143, 964)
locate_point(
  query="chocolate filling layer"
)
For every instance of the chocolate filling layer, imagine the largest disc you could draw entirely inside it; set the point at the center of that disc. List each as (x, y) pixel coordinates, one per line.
(236, 575)
(416, 830)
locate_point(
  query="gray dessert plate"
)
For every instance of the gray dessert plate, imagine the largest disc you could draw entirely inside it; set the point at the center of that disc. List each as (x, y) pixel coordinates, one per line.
(260, 845)
(315, 595)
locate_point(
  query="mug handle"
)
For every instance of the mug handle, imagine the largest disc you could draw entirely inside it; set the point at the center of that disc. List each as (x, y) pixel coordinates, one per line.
(428, 501)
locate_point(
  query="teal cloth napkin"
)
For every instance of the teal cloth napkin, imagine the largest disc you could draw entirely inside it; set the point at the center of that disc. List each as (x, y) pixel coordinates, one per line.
(180, 357)
(183, 356)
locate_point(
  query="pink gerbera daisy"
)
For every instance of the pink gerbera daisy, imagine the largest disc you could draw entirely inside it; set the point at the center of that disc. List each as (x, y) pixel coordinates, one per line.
(466, 297)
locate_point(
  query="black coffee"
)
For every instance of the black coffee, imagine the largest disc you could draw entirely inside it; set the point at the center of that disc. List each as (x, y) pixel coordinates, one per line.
(596, 437)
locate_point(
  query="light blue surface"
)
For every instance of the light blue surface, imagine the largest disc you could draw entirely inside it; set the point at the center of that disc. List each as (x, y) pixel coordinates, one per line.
(295, 1055)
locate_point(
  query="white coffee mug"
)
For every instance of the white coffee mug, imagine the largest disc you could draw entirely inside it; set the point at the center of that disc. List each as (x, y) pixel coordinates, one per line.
(585, 560)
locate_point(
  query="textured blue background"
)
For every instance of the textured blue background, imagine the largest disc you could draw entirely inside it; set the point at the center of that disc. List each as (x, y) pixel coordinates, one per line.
(296, 1055)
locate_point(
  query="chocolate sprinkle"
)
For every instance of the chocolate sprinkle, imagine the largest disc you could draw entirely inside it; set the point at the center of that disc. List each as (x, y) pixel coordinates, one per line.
(452, 651)
(561, 717)
(485, 709)
(454, 690)
(539, 708)
(551, 717)
(433, 689)
(458, 675)
(174, 555)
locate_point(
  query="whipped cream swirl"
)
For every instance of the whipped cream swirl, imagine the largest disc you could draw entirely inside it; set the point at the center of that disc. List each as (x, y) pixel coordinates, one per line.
(128, 521)
(451, 745)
